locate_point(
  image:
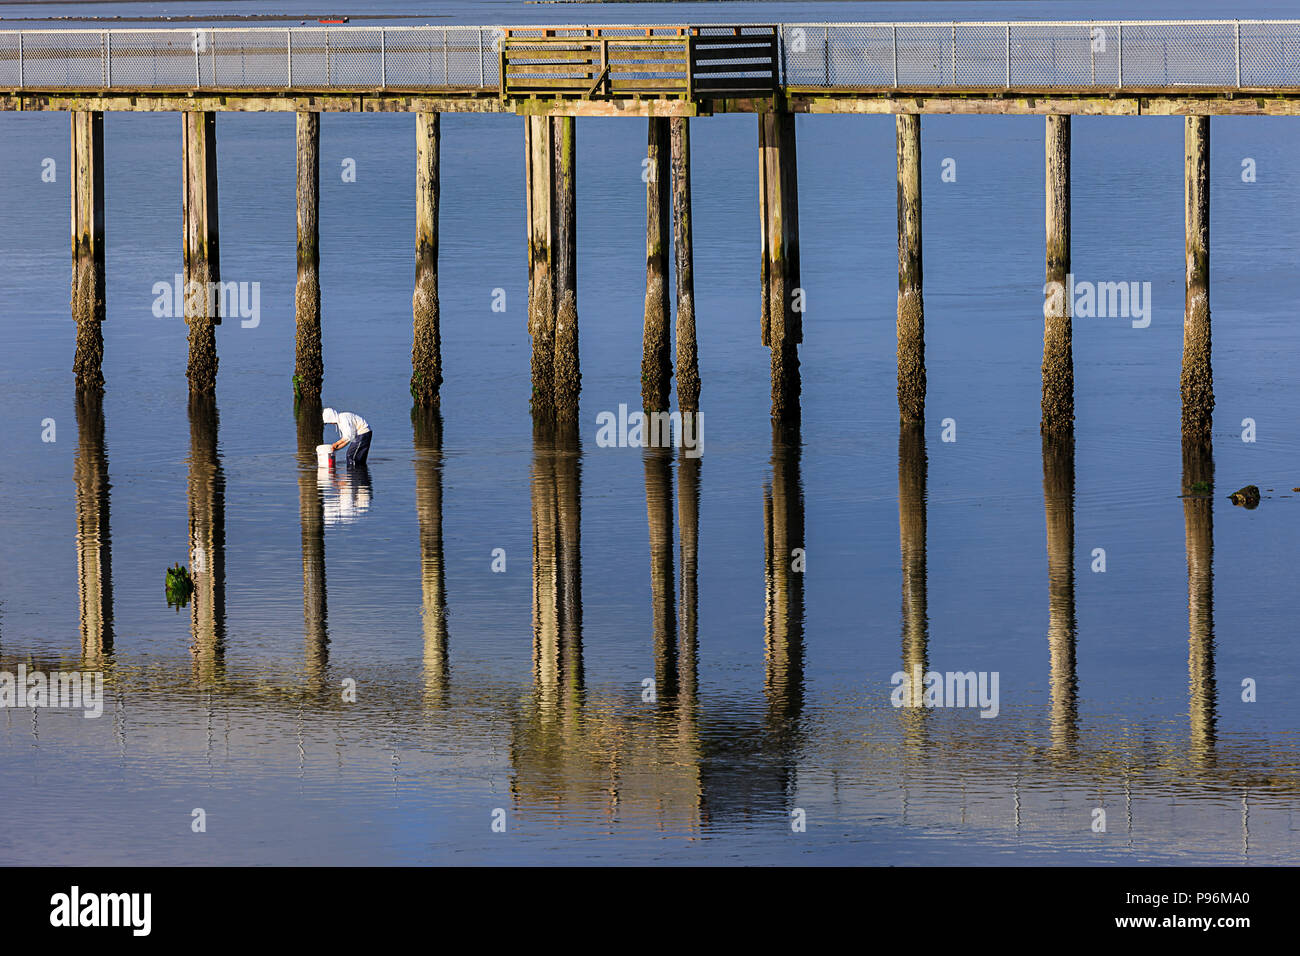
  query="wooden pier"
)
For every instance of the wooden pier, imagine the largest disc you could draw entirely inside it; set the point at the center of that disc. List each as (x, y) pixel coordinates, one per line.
(667, 76)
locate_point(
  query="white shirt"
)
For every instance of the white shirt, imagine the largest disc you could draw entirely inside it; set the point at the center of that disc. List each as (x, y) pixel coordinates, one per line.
(350, 426)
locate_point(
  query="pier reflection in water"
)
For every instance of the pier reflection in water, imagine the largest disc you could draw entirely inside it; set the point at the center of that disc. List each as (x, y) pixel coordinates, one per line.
(1062, 623)
(311, 515)
(207, 521)
(912, 472)
(427, 426)
(696, 757)
(1198, 523)
(94, 539)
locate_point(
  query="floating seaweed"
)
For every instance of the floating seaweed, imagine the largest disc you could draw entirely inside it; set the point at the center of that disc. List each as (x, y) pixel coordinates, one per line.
(178, 587)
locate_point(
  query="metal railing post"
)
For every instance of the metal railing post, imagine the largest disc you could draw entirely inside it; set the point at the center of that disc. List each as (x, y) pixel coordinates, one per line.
(895, 29)
(1008, 56)
(690, 64)
(780, 39)
(1119, 56)
(288, 52)
(481, 79)
(1092, 52)
(501, 64)
(103, 58)
(108, 59)
(1236, 42)
(198, 74)
(826, 56)
(329, 60)
(21, 78)
(383, 58)
(954, 53)
(446, 75)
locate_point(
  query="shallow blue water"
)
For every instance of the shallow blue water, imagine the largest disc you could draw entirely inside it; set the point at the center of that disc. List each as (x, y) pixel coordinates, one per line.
(791, 710)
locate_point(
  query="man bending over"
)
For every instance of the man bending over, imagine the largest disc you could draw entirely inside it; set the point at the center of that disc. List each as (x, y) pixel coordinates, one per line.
(353, 432)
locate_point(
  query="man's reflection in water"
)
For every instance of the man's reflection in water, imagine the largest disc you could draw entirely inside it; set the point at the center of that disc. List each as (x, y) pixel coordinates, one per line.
(345, 492)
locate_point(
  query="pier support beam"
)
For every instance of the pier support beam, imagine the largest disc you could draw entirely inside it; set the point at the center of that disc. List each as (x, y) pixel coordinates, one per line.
(539, 193)
(568, 376)
(202, 263)
(782, 300)
(656, 344)
(911, 306)
(1058, 356)
(308, 367)
(426, 349)
(1198, 377)
(88, 246)
(688, 366)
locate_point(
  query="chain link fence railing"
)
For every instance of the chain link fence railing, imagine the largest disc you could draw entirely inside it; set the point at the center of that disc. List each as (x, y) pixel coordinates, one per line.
(1221, 54)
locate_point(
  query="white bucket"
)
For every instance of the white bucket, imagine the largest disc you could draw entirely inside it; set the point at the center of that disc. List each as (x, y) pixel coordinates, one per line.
(324, 455)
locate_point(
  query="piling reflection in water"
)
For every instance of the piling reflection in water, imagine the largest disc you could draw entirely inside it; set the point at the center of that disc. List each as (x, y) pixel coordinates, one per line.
(783, 530)
(207, 522)
(1062, 623)
(688, 521)
(311, 511)
(912, 470)
(553, 753)
(94, 541)
(583, 753)
(659, 515)
(557, 570)
(427, 424)
(1198, 525)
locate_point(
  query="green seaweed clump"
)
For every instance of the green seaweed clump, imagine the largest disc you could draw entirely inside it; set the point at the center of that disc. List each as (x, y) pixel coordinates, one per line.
(178, 587)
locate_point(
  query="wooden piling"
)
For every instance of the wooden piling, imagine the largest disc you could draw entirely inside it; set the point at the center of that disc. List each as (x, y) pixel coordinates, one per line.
(308, 366)
(539, 196)
(911, 306)
(1058, 357)
(426, 349)
(88, 246)
(202, 269)
(688, 366)
(1197, 384)
(568, 376)
(656, 344)
(782, 300)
